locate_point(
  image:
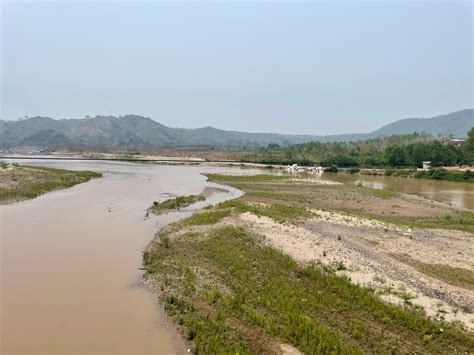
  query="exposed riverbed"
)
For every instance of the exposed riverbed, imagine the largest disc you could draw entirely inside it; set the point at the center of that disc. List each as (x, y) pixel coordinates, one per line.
(70, 262)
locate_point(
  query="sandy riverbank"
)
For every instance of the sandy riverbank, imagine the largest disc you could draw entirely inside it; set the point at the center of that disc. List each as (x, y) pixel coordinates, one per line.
(405, 250)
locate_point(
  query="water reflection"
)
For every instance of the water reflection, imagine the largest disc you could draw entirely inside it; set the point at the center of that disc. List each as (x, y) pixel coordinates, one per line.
(457, 194)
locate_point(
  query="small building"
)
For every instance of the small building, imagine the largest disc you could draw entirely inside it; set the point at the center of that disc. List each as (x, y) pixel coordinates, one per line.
(426, 164)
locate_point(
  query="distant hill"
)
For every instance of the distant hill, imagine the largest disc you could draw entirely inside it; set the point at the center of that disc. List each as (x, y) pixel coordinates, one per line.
(126, 132)
(455, 123)
(138, 132)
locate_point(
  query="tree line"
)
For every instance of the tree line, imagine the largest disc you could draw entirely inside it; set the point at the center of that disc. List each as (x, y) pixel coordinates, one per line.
(409, 150)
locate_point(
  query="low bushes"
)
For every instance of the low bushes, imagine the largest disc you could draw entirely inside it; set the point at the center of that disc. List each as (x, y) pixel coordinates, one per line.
(443, 174)
(331, 169)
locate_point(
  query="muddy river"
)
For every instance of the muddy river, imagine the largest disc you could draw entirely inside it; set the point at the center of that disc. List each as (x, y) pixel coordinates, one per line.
(455, 193)
(70, 259)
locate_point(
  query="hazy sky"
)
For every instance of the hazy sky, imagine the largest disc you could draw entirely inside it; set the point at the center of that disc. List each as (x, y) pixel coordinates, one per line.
(306, 67)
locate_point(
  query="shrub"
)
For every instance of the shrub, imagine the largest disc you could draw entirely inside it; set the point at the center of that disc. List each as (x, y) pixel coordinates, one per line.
(165, 240)
(339, 265)
(331, 169)
(443, 174)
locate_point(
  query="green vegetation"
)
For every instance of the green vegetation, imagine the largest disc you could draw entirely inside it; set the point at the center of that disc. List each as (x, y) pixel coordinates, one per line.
(25, 182)
(399, 172)
(280, 213)
(232, 294)
(165, 240)
(353, 170)
(443, 174)
(134, 132)
(457, 220)
(381, 193)
(453, 275)
(208, 217)
(331, 169)
(468, 146)
(175, 203)
(395, 151)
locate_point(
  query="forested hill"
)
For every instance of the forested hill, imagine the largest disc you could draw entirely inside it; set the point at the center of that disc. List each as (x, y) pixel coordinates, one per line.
(456, 123)
(138, 132)
(127, 132)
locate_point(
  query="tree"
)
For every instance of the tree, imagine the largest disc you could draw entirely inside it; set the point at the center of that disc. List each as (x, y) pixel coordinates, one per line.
(417, 153)
(395, 155)
(468, 147)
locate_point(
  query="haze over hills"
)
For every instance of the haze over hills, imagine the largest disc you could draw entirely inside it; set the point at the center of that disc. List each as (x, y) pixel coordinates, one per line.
(138, 132)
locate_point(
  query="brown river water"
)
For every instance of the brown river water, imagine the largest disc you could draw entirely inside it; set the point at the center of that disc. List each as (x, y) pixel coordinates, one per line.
(70, 259)
(457, 194)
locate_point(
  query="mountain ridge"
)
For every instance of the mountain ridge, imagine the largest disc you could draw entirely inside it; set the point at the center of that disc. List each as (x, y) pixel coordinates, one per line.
(139, 132)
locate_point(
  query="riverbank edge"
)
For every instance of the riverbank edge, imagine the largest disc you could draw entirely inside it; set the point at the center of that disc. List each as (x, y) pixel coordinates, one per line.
(38, 188)
(178, 339)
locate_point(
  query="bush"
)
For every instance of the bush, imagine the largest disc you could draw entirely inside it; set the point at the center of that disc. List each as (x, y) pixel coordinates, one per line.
(443, 174)
(165, 240)
(331, 169)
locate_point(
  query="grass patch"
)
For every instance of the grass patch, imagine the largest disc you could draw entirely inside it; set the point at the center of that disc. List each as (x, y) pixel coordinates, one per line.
(452, 275)
(458, 220)
(26, 182)
(281, 213)
(207, 217)
(261, 297)
(165, 240)
(380, 193)
(175, 203)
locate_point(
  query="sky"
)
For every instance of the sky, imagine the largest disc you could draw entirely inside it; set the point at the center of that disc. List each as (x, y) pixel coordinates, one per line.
(288, 67)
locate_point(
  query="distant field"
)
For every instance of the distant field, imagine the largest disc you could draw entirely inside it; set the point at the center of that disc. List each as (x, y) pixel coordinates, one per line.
(18, 182)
